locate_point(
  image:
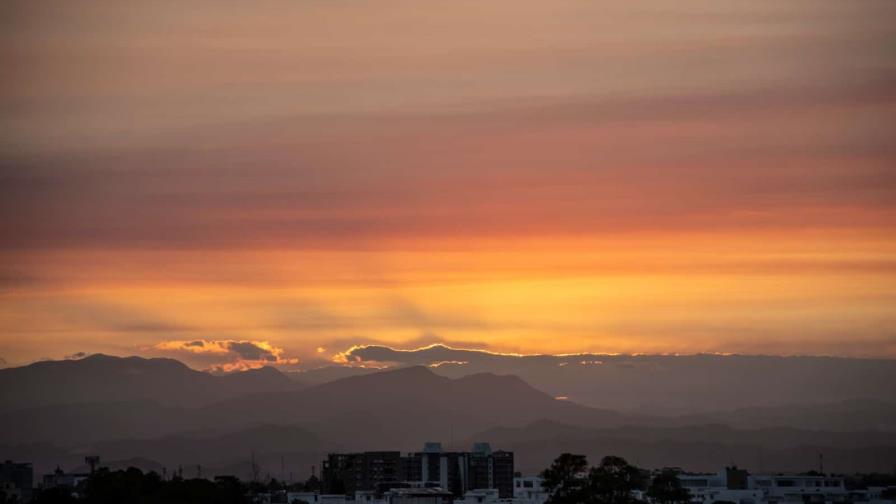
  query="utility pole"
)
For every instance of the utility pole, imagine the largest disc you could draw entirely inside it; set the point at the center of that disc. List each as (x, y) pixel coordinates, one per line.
(255, 469)
(92, 461)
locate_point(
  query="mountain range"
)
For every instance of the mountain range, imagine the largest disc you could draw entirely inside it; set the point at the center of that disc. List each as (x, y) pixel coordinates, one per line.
(158, 412)
(662, 384)
(104, 378)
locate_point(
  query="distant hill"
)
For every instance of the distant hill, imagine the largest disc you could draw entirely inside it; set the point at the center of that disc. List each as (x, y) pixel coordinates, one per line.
(699, 447)
(104, 378)
(75, 424)
(229, 453)
(668, 385)
(399, 408)
(326, 374)
(850, 415)
(223, 449)
(390, 409)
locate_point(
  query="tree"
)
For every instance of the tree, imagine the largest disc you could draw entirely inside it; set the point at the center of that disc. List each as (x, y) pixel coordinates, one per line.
(55, 495)
(666, 489)
(613, 481)
(8, 499)
(312, 484)
(569, 481)
(566, 479)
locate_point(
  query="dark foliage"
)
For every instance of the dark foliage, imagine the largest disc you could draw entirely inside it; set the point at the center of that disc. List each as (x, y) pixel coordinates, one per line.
(572, 482)
(665, 488)
(54, 496)
(133, 486)
(566, 479)
(613, 481)
(312, 484)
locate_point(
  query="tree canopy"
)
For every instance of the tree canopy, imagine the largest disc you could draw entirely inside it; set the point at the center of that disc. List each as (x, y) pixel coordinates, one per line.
(665, 488)
(570, 481)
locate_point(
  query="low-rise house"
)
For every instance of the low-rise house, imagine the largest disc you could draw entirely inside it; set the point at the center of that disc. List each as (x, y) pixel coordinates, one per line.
(418, 496)
(806, 489)
(60, 478)
(529, 490)
(481, 496)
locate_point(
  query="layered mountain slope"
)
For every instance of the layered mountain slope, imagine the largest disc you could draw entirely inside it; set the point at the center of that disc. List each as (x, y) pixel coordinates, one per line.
(104, 378)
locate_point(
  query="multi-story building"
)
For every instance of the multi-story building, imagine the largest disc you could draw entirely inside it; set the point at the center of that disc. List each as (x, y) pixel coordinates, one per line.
(456, 472)
(460, 472)
(59, 478)
(729, 485)
(806, 489)
(437, 468)
(736, 485)
(347, 473)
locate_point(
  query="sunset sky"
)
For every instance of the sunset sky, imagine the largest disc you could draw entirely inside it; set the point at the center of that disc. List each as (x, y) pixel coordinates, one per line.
(236, 184)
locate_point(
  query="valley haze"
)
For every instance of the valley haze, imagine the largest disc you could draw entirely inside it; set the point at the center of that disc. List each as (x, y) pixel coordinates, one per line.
(160, 413)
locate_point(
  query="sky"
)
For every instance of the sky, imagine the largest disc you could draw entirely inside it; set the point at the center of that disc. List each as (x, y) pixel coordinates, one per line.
(240, 185)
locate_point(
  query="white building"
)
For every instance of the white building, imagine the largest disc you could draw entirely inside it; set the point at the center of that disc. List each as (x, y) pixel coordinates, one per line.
(875, 495)
(529, 490)
(315, 498)
(418, 496)
(732, 485)
(721, 486)
(728, 485)
(481, 496)
(800, 488)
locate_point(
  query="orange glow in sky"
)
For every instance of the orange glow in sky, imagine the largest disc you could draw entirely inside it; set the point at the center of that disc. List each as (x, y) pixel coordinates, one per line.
(532, 177)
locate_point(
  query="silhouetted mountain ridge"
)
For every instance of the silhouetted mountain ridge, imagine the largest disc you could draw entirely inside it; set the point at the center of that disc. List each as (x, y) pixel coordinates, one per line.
(405, 405)
(698, 447)
(848, 415)
(105, 378)
(669, 385)
(398, 409)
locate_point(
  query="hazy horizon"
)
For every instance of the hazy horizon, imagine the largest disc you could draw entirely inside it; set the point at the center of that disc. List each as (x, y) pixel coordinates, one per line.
(356, 356)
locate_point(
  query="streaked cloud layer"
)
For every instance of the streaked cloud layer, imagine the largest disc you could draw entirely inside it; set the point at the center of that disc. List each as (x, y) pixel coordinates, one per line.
(227, 355)
(519, 176)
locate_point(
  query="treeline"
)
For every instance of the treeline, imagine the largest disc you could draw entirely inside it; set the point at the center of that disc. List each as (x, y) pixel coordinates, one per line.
(614, 481)
(134, 486)
(570, 480)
